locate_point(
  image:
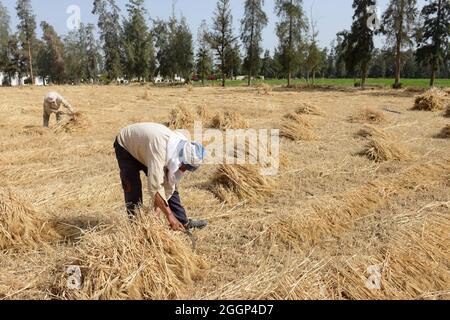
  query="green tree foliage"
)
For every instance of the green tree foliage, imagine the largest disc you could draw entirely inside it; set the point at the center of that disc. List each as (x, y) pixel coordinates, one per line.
(255, 19)
(358, 43)
(110, 31)
(138, 43)
(290, 31)
(221, 37)
(398, 24)
(233, 61)
(434, 40)
(27, 32)
(82, 56)
(174, 48)
(203, 59)
(51, 55)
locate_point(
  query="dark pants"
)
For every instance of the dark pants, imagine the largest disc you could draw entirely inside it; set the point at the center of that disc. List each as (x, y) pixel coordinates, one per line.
(47, 118)
(130, 170)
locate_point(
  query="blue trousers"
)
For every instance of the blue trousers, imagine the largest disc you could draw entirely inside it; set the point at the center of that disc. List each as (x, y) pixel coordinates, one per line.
(130, 170)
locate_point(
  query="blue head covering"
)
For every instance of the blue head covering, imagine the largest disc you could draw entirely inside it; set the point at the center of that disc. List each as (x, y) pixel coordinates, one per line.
(192, 155)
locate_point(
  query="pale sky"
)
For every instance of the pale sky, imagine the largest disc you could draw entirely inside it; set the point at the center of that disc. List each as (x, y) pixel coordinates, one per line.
(332, 16)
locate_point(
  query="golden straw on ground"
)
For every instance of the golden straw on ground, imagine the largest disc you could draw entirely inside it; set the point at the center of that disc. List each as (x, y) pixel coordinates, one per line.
(379, 150)
(432, 100)
(139, 260)
(20, 225)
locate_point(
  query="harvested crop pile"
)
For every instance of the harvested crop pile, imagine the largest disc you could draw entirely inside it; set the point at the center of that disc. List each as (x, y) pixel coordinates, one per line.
(370, 131)
(143, 260)
(445, 132)
(229, 120)
(20, 224)
(333, 216)
(77, 122)
(203, 115)
(296, 131)
(431, 100)
(242, 183)
(418, 270)
(306, 108)
(264, 89)
(369, 115)
(298, 118)
(181, 118)
(379, 150)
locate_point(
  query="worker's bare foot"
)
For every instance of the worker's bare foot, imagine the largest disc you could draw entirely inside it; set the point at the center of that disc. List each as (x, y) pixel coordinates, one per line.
(196, 224)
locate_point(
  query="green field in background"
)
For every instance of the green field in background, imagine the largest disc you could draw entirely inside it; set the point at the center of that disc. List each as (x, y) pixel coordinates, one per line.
(422, 83)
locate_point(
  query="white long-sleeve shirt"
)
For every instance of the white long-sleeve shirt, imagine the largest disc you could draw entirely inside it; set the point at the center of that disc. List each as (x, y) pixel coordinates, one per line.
(53, 107)
(148, 142)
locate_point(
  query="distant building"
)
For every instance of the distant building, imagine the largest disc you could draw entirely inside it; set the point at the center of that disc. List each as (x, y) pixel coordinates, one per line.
(16, 81)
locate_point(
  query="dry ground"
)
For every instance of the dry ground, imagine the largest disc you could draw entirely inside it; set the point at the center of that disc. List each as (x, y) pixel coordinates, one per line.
(334, 214)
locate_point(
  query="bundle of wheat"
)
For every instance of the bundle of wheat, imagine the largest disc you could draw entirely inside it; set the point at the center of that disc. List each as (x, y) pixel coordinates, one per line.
(306, 108)
(369, 131)
(432, 100)
(368, 115)
(203, 115)
(181, 117)
(445, 132)
(296, 131)
(296, 117)
(229, 120)
(20, 224)
(241, 182)
(379, 150)
(264, 89)
(77, 122)
(139, 260)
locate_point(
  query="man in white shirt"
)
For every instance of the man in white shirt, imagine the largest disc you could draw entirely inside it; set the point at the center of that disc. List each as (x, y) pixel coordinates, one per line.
(52, 104)
(164, 156)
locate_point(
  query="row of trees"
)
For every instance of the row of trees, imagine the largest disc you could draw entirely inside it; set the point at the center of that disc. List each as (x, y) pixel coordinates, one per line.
(417, 44)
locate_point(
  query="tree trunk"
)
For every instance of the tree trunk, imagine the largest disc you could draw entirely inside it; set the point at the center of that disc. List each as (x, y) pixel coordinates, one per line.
(251, 48)
(433, 74)
(223, 72)
(30, 59)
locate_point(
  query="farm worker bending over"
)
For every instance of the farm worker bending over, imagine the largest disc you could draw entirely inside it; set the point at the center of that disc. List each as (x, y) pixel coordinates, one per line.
(164, 156)
(52, 104)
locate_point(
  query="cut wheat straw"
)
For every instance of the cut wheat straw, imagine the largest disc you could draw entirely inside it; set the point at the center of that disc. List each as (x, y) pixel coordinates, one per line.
(77, 122)
(229, 120)
(296, 117)
(295, 131)
(139, 260)
(20, 225)
(379, 150)
(306, 108)
(181, 118)
(264, 89)
(241, 182)
(370, 131)
(369, 115)
(432, 100)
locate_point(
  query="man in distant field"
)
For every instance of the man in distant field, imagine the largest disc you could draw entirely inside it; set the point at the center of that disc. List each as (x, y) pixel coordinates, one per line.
(164, 156)
(52, 104)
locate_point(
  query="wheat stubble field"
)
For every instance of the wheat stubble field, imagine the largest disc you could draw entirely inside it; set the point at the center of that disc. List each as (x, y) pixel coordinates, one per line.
(363, 189)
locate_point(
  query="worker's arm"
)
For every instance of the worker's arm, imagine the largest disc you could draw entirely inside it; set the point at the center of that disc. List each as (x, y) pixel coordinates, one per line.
(66, 105)
(156, 175)
(162, 205)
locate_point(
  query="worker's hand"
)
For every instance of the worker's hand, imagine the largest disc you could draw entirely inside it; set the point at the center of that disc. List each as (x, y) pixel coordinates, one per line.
(175, 224)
